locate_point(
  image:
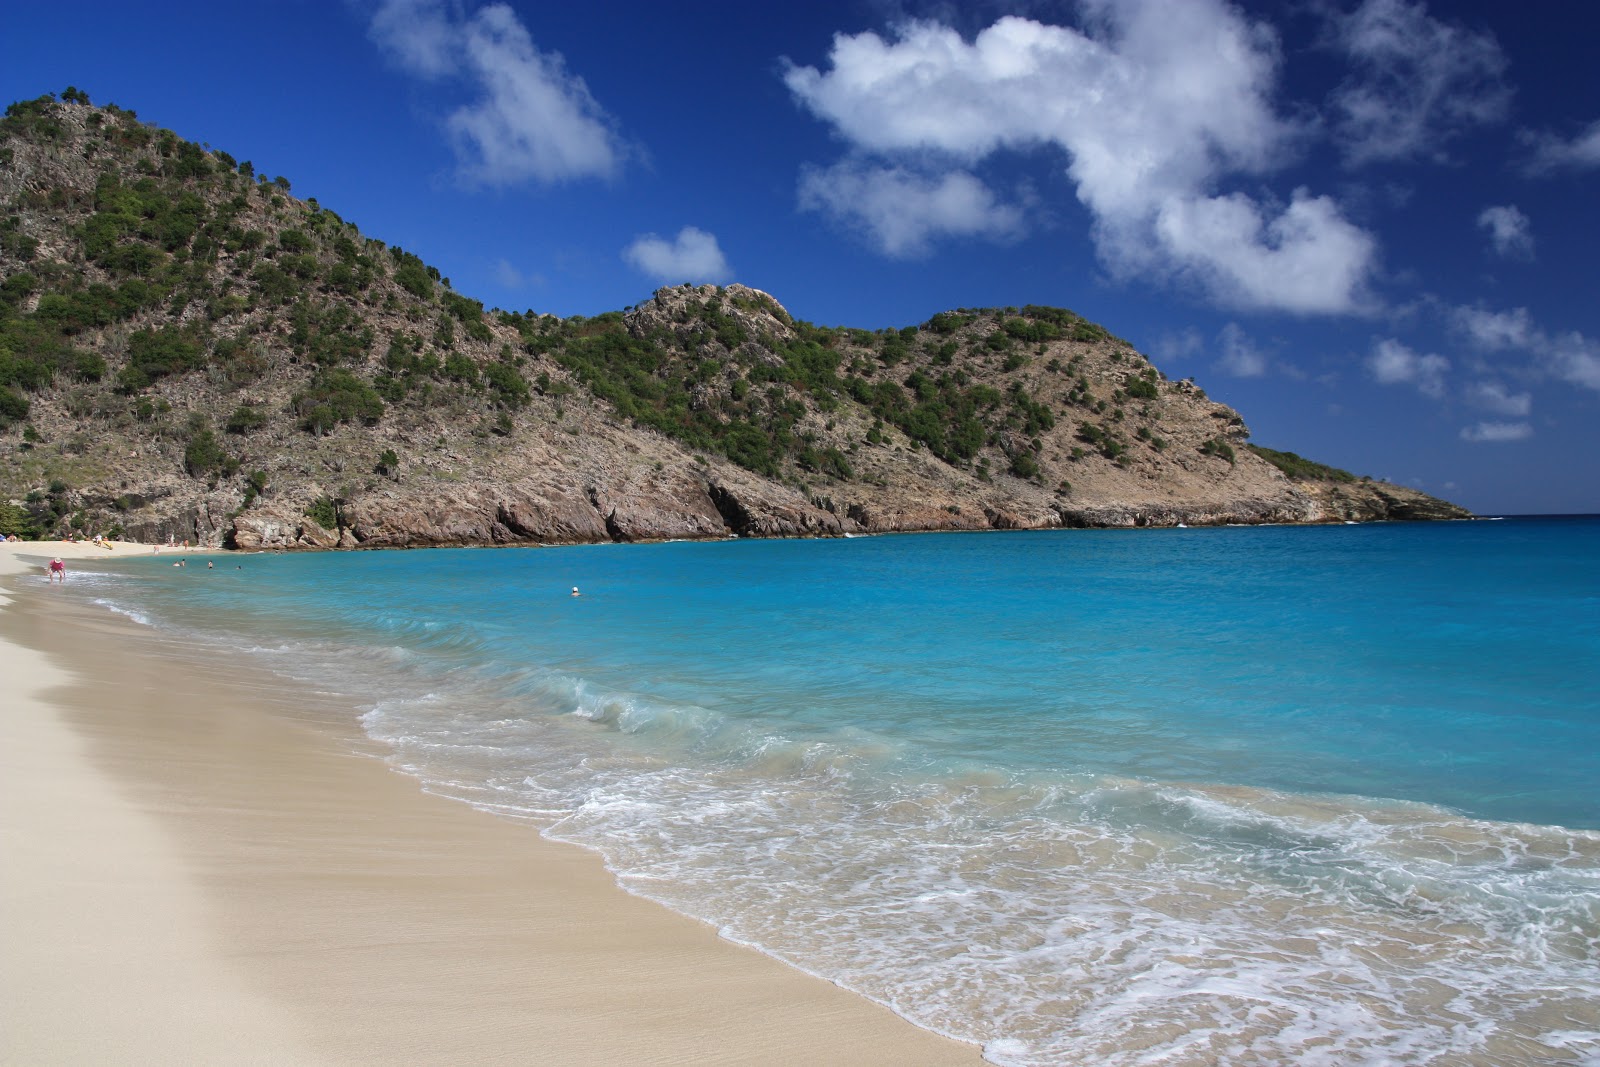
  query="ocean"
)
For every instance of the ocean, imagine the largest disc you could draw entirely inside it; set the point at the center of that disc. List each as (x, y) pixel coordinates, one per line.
(1323, 795)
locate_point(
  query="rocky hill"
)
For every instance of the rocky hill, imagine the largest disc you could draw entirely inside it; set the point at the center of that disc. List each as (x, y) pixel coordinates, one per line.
(187, 350)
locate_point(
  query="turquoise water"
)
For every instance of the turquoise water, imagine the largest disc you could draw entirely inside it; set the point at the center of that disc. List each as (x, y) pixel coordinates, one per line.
(1180, 796)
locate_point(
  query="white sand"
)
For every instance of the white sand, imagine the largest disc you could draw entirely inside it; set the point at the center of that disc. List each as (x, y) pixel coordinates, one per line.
(106, 955)
(195, 871)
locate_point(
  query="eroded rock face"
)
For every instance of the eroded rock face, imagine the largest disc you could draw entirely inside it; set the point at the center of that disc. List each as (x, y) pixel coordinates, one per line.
(312, 535)
(551, 516)
(262, 532)
(680, 509)
(740, 505)
(750, 508)
(1375, 502)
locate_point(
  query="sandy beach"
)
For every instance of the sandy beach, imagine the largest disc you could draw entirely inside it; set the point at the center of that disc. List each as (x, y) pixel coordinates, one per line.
(204, 865)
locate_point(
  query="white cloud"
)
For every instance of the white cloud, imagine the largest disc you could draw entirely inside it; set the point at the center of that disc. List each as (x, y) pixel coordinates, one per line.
(1509, 231)
(1155, 106)
(1492, 396)
(418, 35)
(1570, 357)
(1574, 358)
(1495, 331)
(903, 211)
(1392, 363)
(1307, 259)
(533, 121)
(1180, 345)
(693, 256)
(1417, 82)
(1551, 153)
(1240, 357)
(1496, 432)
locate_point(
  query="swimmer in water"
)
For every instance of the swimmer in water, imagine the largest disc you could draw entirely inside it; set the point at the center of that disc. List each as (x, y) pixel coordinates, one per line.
(575, 591)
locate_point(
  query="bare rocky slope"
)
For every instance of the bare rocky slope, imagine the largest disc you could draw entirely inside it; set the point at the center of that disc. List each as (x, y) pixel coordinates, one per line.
(186, 350)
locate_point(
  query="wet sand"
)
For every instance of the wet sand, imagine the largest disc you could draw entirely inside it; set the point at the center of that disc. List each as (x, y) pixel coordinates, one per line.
(205, 865)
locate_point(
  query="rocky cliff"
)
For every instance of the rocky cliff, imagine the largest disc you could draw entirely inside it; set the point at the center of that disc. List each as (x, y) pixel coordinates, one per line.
(187, 350)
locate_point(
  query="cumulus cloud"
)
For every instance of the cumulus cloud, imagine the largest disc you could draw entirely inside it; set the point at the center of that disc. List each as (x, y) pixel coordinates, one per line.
(1509, 231)
(1492, 396)
(1496, 432)
(692, 256)
(904, 211)
(1416, 82)
(533, 120)
(1155, 106)
(1570, 357)
(1550, 153)
(1574, 358)
(1392, 363)
(1240, 357)
(1495, 331)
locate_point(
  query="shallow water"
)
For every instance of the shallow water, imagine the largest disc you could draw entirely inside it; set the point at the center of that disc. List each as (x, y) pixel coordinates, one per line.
(1184, 796)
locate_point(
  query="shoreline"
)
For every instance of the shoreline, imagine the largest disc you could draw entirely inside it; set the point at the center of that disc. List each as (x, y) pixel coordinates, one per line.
(204, 866)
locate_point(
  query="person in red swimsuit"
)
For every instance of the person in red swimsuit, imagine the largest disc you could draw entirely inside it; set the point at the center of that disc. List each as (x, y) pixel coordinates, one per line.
(58, 571)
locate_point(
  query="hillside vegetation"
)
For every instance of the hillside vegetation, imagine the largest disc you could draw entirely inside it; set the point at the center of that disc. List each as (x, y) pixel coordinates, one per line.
(188, 350)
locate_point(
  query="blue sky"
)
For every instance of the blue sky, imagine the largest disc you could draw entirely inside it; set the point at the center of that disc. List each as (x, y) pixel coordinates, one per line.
(1368, 224)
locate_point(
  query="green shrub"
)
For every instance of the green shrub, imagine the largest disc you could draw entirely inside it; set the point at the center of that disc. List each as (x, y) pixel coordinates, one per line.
(510, 388)
(154, 354)
(204, 456)
(254, 486)
(460, 368)
(13, 406)
(470, 314)
(276, 286)
(324, 511)
(1141, 388)
(412, 276)
(245, 419)
(18, 521)
(1300, 468)
(334, 396)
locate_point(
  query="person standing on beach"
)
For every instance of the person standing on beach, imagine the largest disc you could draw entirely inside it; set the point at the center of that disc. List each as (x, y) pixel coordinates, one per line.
(58, 571)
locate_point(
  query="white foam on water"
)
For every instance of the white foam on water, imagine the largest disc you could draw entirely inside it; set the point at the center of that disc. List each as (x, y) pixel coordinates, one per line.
(1055, 940)
(131, 613)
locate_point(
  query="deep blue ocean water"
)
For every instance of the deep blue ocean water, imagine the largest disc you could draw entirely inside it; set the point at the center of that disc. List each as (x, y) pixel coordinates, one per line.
(1247, 795)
